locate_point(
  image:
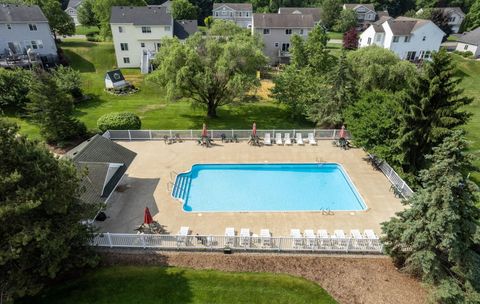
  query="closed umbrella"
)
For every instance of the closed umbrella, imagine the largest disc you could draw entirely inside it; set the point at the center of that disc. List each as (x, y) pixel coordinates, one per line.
(204, 131)
(147, 217)
(342, 132)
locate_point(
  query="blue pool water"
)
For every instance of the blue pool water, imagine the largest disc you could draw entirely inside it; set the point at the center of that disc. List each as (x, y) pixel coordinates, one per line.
(267, 187)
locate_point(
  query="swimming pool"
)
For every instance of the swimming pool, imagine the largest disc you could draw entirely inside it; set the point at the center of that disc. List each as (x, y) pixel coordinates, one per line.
(266, 187)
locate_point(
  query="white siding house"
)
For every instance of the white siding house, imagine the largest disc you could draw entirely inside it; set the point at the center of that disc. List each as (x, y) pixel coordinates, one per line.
(72, 10)
(470, 42)
(409, 38)
(455, 16)
(239, 13)
(25, 29)
(277, 30)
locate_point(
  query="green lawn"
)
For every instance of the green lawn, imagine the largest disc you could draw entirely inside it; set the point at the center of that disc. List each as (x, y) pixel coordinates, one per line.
(83, 30)
(335, 35)
(177, 285)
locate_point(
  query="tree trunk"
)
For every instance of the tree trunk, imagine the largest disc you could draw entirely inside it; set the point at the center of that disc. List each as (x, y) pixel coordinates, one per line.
(212, 110)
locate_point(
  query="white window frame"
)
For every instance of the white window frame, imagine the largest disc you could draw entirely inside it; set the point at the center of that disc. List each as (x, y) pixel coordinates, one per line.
(288, 31)
(146, 30)
(40, 44)
(34, 44)
(120, 29)
(167, 28)
(266, 31)
(32, 27)
(126, 60)
(407, 39)
(395, 39)
(302, 32)
(124, 46)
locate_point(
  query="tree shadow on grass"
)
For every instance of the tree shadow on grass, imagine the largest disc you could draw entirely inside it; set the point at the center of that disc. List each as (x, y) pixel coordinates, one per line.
(77, 43)
(121, 285)
(78, 62)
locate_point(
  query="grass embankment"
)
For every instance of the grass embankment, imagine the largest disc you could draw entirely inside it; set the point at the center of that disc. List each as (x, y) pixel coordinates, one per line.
(177, 285)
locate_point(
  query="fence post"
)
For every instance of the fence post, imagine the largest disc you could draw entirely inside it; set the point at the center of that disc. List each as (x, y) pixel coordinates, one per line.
(334, 133)
(143, 241)
(170, 133)
(211, 134)
(191, 134)
(273, 133)
(233, 133)
(150, 134)
(348, 244)
(109, 240)
(293, 133)
(129, 135)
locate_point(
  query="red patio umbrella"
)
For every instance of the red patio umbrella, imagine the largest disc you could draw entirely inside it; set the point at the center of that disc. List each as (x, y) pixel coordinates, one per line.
(342, 132)
(147, 217)
(204, 131)
(254, 129)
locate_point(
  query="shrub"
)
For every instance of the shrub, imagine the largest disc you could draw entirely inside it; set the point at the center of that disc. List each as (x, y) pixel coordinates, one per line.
(93, 37)
(119, 121)
(466, 54)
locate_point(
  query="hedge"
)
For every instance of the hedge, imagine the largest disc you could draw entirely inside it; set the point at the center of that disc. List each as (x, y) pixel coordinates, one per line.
(119, 121)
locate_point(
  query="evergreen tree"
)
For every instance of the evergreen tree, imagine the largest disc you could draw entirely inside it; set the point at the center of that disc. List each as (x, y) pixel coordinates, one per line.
(346, 21)
(340, 93)
(40, 216)
(432, 108)
(184, 10)
(434, 237)
(319, 57)
(52, 108)
(472, 19)
(299, 58)
(331, 10)
(86, 15)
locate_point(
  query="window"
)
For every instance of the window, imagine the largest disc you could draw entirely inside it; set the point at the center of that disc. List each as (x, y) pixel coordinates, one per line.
(158, 45)
(369, 41)
(142, 44)
(424, 38)
(465, 47)
(33, 27)
(288, 31)
(216, 14)
(285, 47)
(427, 54)
(231, 14)
(124, 46)
(276, 44)
(266, 31)
(120, 29)
(411, 55)
(40, 44)
(407, 38)
(378, 38)
(34, 44)
(146, 29)
(9, 26)
(396, 38)
(247, 14)
(301, 31)
(126, 60)
(28, 45)
(451, 19)
(167, 28)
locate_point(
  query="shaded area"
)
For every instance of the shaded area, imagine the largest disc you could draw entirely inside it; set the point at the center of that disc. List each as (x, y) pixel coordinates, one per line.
(129, 284)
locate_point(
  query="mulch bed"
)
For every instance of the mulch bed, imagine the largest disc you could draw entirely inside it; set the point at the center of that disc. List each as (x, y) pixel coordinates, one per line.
(349, 279)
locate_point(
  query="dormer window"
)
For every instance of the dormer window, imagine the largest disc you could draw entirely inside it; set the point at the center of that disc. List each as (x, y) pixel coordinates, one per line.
(32, 27)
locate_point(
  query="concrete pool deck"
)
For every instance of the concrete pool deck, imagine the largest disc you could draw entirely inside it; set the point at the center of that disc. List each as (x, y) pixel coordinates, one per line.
(147, 178)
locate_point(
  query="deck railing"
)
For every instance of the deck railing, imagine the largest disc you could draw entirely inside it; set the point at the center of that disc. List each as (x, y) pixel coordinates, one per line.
(217, 134)
(238, 243)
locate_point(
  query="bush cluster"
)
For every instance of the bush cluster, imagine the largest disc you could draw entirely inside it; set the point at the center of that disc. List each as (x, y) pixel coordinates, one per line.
(466, 54)
(119, 121)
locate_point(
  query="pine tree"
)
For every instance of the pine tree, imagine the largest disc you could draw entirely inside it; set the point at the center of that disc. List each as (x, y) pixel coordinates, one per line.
(433, 107)
(40, 216)
(299, 57)
(434, 237)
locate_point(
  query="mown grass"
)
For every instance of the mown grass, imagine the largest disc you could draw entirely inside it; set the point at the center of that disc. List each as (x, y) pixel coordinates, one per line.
(83, 30)
(335, 35)
(178, 285)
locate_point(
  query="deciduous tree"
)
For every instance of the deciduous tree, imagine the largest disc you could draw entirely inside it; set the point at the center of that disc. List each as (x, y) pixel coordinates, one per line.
(350, 39)
(60, 22)
(346, 21)
(211, 70)
(434, 238)
(86, 15)
(40, 216)
(184, 10)
(330, 12)
(472, 19)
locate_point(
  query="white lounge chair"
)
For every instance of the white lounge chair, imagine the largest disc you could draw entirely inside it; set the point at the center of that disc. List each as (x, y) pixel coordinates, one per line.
(339, 234)
(287, 139)
(267, 141)
(322, 233)
(297, 240)
(323, 238)
(299, 139)
(369, 234)
(245, 238)
(311, 139)
(182, 236)
(339, 239)
(355, 233)
(278, 138)
(266, 237)
(229, 236)
(310, 237)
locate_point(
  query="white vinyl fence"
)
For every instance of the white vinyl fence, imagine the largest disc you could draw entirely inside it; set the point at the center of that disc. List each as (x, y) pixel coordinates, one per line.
(238, 243)
(217, 134)
(404, 190)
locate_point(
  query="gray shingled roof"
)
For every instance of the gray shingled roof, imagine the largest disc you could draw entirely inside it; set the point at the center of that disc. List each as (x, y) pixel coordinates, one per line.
(11, 13)
(74, 3)
(141, 15)
(314, 11)
(447, 10)
(282, 21)
(354, 6)
(96, 156)
(472, 37)
(403, 26)
(182, 29)
(235, 6)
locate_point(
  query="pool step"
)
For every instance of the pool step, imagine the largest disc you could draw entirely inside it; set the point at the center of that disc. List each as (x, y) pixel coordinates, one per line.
(181, 187)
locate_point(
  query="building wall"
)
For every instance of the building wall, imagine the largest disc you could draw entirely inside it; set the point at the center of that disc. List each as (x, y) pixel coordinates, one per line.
(433, 39)
(368, 37)
(225, 13)
(133, 36)
(21, 33)
(73, 13)
(277, 35)
(465, 47)
(455, 25)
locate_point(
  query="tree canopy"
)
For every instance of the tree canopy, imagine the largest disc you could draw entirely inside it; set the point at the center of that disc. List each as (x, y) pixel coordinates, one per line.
(211, 70)
(86, 14)
(184, 10)
(60, 22)
(434, 238)
(346, 21)
(40, 216)
(331, 10)
(472, 19)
